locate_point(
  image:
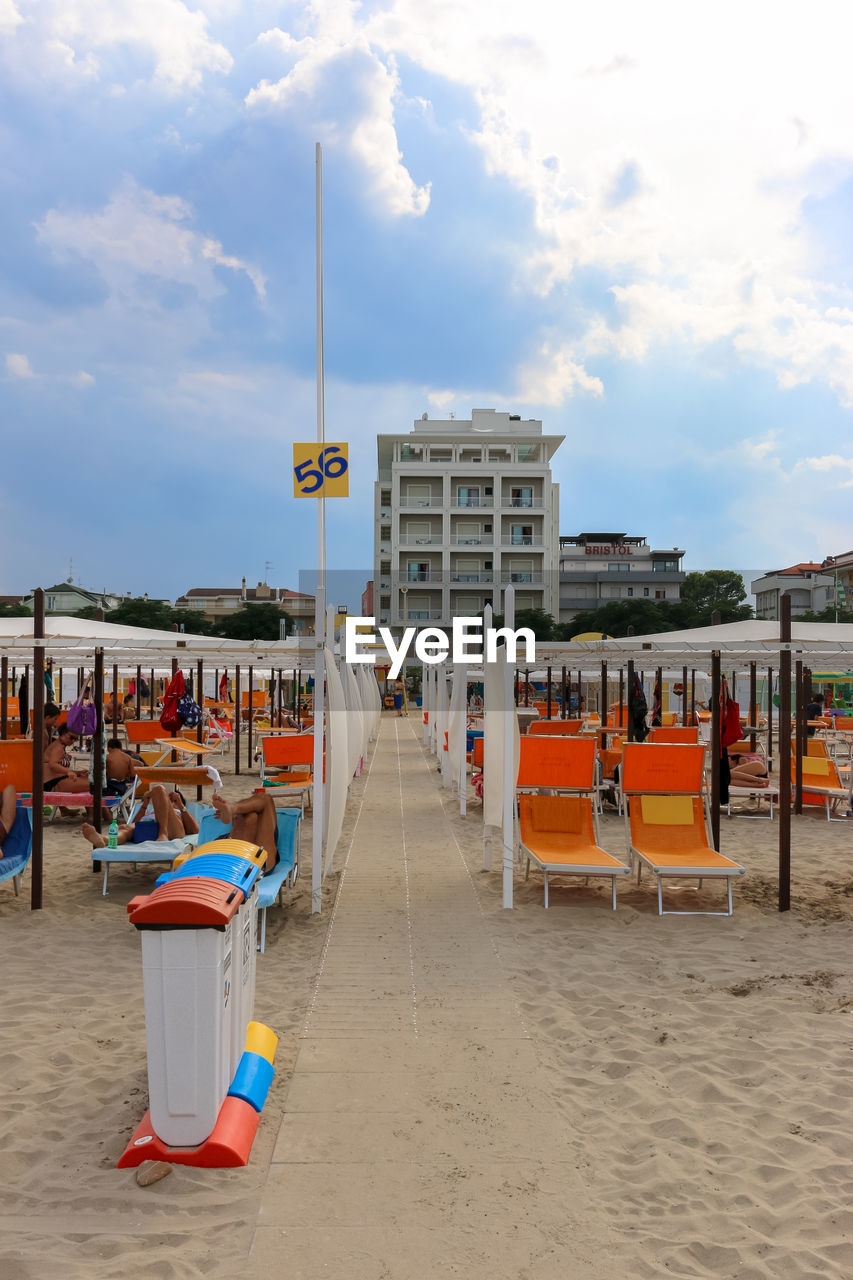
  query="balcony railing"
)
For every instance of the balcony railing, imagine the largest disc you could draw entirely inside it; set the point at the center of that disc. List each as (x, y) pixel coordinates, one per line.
(423, 615)
(521, 540)
(483, 504)
(421, 502)
(522, 502)
(472, 540)
(406, 578)
(419, 539)
(460, 579)
(522, 575)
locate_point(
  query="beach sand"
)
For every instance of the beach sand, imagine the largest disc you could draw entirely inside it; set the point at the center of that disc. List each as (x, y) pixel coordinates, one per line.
(698, 1070)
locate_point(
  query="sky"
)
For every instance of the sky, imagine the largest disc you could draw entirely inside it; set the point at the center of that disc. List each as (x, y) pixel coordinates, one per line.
(630, 221)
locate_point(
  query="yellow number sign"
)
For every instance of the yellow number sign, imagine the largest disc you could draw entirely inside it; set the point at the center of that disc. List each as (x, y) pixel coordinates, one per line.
(320, 471)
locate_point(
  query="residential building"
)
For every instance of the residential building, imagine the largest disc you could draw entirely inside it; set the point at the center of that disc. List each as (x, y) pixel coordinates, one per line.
(367, 600)
(221, 602)
(65, 599)
(810, 586)
(462, 508)
(840, 568)
(598, 568)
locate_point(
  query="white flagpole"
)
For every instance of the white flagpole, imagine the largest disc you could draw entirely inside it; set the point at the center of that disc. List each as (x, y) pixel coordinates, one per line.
(318, 815)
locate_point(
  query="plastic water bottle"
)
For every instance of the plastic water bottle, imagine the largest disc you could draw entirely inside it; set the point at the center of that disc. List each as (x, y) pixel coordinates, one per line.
(112, 838)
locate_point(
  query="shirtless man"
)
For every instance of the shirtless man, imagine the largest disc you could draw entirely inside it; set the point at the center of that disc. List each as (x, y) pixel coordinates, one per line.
(253, 820)
(173, 820)
(120, 769)
(58, 774)
(7, 814)
(52, 716)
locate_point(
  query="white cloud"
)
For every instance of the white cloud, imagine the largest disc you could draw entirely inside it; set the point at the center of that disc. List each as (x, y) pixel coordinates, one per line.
(82, 380)
(19, 366)
(141, 236)
(172, 35)
(554, 376)
(9, 16)
(339, 51)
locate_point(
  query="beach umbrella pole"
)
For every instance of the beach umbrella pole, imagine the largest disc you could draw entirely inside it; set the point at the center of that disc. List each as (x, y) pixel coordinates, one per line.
(38, 750)
(785, 753)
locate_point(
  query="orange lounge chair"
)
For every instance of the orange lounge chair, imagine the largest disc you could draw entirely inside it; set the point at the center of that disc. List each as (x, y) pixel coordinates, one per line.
(280, 752)
(559, 835)
(667, 820)
(821, 781)
(16, 768)
(558, 727)
(555, 762)
(685, 734)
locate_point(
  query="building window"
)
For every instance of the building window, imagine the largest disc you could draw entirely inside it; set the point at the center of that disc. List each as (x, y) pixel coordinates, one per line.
(521, 535)
(528, 453)
(645, 591)
(630, 591)
(467, 495)
(418, 571)
(616, 566)
(521, 496)
(660, 595)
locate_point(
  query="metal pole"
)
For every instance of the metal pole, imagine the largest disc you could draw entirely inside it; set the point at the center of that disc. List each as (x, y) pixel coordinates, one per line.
(602, 700)
(139, 693)
(753, 705)
(799, 737)
(769, 719)
(527, 687)
(251, 720)
(115, 700)
(200, 727)
(4, 696)
(563, 708)
(621, 696)
(318, 817)
(716, 748)
(548, 703)
(38, 751)
(509, 774)
(238, 709)
(785, 754)
(151, 696)
(684, 696)
(693, 696)
(630, 699)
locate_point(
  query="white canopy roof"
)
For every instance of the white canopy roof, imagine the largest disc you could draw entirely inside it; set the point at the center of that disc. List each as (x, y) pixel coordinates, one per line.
(74, 640)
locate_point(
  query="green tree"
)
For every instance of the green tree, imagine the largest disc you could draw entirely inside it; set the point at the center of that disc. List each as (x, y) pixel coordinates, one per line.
(614, 618)
(139, 612)
(540, 623)
(15, 611)
(715, 589)
(253, 622)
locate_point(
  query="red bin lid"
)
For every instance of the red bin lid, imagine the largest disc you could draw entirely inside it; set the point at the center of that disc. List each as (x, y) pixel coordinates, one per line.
(187, 903)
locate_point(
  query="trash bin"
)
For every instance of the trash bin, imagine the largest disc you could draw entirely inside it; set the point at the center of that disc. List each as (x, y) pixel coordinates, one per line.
(244, 874)
(187, 973)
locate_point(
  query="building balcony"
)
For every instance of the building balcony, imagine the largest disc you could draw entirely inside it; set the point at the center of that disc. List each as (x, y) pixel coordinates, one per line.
(420, 539)
(472, 540)
(521, 540)
(480, 504)
(522, 575)
(408, 579)
(421, 502)
(528, 503)
(463, 579)
(423, 615)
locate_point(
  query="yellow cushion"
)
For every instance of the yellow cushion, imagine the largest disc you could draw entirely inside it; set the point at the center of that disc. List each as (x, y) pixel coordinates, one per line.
(667, 811)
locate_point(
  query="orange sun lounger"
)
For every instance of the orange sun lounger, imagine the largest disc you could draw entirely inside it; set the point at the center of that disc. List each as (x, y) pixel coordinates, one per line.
(685, 734)
(822, 782)
(667, 821)
(559, 835)
(558, 727)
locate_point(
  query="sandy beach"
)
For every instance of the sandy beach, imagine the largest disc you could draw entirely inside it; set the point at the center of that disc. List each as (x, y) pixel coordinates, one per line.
(460, 1090)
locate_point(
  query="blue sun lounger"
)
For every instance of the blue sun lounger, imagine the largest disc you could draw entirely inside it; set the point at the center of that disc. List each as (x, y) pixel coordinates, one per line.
(280, 880)
(17, 848)
(149, 850)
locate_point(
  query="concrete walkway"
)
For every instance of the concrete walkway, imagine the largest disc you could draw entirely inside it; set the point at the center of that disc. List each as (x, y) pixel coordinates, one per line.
(419, 1139)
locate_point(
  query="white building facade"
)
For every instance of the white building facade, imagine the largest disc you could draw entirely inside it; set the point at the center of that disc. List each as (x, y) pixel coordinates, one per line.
(463, 507)
(810, 586)
(598, 568)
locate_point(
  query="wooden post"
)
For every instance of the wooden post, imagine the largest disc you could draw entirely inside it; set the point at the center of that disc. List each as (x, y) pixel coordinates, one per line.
(58, 689)
(527, 687)
(4, 696)
(151, 696)
(630, 699)
(297, 691)
(602, 698)
(516, 686)
(138, 699)
(115, 700)
(659, 688)
(237, 710)
(684, 695)
(693, 696)
(753, 705)
(716, 748)
(785, 754)
(769, 719)
(621, 696)
(97, 746)
(174, 733)
(38, 751)
(548, 699)
(563, 708)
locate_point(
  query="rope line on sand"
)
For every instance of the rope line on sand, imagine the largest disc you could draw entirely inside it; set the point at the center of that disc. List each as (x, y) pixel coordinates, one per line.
(406, 878)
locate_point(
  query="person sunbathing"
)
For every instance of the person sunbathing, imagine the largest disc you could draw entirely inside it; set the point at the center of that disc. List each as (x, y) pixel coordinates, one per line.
(8, 801)
(252, 820)
(748, 771)
(58, 774)
(173, 820)
(120, 769)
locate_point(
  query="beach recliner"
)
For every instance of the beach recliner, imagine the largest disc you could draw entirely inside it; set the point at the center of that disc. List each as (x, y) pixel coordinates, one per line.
(675, 733)
(667, 818)
(17, 848)
(560, 728)
(821, 781)
(559, 835)
(149, 850)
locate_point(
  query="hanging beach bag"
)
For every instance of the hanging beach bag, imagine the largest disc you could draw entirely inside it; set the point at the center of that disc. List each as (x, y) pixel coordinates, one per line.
(169, 717)
(189, 711)
(82, 717)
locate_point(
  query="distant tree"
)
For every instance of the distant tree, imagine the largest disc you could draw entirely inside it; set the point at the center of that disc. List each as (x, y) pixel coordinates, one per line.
(139, 612)
(715, 589)
(15, 611)
(614, 618)
(539, 621)
(253, 622)
(88, 614)
(826, 615)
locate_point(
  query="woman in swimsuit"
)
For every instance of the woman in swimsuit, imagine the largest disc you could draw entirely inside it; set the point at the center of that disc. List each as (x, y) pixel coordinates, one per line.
(58, 774)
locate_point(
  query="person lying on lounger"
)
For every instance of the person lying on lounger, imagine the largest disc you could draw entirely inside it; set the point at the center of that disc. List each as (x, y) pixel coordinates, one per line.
(8, 800)
(58, 774)
(173, 819)
(748, 770)
(253, 820)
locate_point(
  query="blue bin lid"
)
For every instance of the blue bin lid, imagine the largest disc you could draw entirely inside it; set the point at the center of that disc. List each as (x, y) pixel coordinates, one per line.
(216, 866)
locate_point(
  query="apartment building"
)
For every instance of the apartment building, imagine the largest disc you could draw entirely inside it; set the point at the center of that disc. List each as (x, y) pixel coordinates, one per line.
(597, 568)
(221, 602)
(810, 585)
(462, 508)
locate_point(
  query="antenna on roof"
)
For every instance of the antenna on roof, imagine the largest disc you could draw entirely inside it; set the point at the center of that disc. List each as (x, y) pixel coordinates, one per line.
(70, 570)
(267, 566)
